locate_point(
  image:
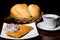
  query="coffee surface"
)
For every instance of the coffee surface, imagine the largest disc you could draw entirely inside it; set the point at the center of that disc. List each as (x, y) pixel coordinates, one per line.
(50, 17)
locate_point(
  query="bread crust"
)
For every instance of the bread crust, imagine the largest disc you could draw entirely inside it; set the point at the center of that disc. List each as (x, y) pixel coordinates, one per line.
(34, 11)
(20, 10)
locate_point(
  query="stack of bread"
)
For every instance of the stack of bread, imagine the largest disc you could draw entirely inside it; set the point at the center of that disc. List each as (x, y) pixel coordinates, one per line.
(24, 13)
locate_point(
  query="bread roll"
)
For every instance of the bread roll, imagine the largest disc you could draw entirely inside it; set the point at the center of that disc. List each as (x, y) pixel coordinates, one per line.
(20, 11)
(34, 11)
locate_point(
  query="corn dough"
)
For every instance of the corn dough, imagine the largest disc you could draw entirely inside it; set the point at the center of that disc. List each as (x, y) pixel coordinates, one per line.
(21, 32)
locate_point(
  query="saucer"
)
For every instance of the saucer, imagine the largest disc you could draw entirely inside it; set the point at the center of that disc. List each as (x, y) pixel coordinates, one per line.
(41, 25)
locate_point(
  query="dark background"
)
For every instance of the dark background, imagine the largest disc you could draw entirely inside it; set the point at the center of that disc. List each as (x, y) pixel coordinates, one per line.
(47, 6)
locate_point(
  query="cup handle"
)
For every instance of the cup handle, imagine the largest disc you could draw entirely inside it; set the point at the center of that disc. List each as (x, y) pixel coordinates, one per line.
(58, 21)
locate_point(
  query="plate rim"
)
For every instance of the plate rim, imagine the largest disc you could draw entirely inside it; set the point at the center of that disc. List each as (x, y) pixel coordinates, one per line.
(19, 38)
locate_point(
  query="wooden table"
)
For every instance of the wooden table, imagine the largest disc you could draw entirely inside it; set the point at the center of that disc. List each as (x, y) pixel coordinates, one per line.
(49, 35)
(44, 35)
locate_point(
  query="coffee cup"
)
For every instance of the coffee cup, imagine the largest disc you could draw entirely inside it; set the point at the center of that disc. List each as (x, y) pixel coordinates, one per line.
(50, 20)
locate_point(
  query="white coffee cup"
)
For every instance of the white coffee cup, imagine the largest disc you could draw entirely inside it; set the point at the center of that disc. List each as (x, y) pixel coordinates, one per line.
(50, 20)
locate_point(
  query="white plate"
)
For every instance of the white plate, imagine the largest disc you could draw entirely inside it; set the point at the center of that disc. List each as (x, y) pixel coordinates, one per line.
(31, 34)
(40, 25)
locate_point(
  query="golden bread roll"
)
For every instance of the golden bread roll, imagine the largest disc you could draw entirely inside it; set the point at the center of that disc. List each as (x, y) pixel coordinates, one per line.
(34, 11)
(23, 30)
(24, 13)
(20, 11)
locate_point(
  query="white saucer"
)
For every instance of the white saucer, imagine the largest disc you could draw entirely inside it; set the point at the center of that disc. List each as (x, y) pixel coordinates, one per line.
(42, 26)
